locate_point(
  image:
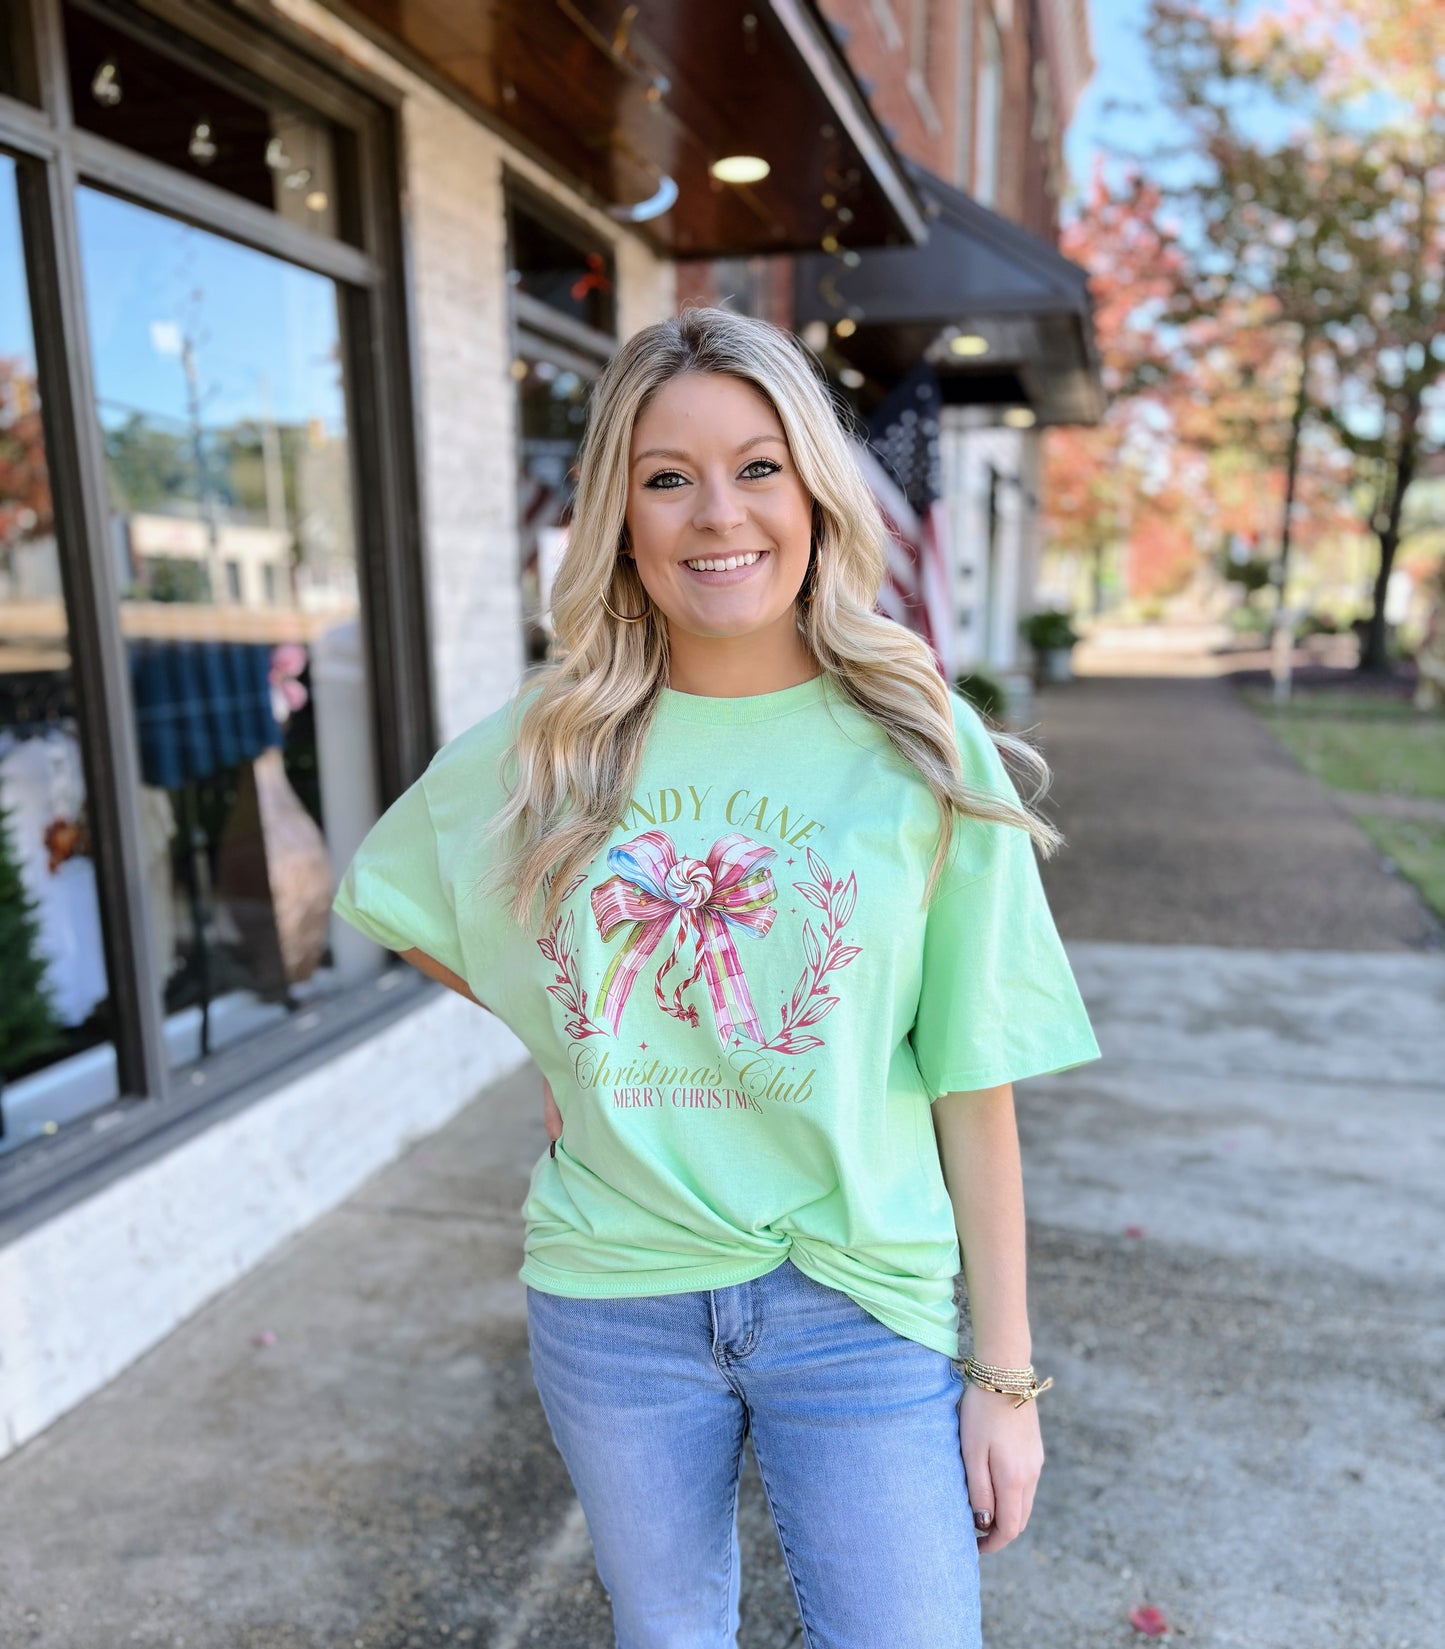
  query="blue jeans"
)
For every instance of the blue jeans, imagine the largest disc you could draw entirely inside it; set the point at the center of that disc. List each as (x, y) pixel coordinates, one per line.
(855, 1433)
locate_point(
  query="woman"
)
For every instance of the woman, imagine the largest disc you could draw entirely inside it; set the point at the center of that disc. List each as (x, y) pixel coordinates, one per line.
(757, 892)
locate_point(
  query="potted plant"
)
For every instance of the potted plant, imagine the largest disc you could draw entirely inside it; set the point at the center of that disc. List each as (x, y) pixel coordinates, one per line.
(984, 691)
(1052, 636)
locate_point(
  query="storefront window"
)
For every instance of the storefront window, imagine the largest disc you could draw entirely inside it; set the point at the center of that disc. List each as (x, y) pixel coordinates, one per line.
(553, 410)
(561, 269)
(222, 405)
(128, 90)
(15, 68)
(212, 650)
(57, 1060)
(564, 306)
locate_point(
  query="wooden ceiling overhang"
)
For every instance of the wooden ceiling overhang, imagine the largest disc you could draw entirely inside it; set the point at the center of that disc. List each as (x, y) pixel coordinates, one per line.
(628, 102)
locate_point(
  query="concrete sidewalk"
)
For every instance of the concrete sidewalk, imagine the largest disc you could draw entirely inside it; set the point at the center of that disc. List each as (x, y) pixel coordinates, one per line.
(1188, 822)
(1245, 1429)
(1236, 1256)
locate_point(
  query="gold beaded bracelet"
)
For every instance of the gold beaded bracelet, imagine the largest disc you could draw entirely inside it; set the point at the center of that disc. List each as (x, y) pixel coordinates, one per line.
(1022, 1383)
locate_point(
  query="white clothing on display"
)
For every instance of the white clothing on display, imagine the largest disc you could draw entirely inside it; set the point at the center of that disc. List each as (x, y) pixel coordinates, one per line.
(41, 781)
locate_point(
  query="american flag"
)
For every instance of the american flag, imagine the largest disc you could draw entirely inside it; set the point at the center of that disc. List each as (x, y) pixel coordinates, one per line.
(902, 467)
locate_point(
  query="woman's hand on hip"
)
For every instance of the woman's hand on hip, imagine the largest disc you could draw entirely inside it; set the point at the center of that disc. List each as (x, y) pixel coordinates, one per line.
(1003, 1455)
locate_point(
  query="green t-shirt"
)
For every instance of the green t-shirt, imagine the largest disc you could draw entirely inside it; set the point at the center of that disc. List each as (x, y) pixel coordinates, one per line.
(743, 1010)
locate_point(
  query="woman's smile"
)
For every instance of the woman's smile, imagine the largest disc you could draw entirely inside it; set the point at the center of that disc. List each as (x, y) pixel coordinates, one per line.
(728, 569)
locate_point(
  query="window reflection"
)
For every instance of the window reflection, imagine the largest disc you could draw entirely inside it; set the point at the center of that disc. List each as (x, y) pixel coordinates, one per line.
(561, 270)
(56, 1057)
(16, 71)
(553, 404)
(125, 89)
(222, 407)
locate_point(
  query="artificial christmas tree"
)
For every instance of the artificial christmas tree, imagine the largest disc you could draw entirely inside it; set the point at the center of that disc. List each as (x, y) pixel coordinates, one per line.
(27, 1018)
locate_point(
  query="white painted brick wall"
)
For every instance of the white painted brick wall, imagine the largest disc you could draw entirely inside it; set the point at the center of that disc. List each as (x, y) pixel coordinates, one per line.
(86, 1293)
(89, 1291)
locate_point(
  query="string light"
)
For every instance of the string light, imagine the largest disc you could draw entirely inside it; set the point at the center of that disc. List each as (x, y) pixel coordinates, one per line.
(815, 335)
(202, 147)
(105, 85)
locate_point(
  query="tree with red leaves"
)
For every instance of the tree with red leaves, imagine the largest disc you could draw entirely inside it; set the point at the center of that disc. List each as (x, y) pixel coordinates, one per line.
(1332, 240)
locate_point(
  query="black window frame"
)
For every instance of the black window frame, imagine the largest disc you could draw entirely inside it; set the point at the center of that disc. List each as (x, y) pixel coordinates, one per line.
(538, 332)
(537, 324)
(53, 158)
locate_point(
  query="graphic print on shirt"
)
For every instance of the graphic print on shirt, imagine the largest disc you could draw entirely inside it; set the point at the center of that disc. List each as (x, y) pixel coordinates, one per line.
(732, 889)
(691, 925)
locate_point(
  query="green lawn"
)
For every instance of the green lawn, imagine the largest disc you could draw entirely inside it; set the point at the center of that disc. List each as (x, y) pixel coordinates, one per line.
(1394, 751)
(1368, 742)
(1418, 848)
(1325, 701)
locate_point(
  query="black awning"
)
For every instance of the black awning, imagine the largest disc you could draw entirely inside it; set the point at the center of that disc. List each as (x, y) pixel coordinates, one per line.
(978, 276)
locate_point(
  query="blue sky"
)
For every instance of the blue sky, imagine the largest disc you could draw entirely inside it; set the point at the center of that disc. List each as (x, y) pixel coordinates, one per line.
(265, 331)
(1122, 72)
(1123, 76)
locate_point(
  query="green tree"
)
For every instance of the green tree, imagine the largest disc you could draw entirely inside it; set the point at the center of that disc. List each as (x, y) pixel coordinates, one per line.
(148, 467)
(27, 1017)
(1337, 231)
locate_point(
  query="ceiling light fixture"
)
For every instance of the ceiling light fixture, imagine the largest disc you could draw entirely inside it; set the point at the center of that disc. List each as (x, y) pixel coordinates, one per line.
(659, 201)
(1019, 418)
(968, 343)
(740, 169)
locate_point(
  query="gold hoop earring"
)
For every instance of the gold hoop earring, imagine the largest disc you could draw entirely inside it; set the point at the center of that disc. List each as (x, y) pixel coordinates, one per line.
(622, 617)
(812, 573)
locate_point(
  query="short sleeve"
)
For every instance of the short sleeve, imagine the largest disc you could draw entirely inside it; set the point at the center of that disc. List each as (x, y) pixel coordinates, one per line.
(998, 1001)
(393, 890)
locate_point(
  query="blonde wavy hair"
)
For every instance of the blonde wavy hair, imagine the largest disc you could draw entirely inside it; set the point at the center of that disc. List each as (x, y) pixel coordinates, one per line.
(579, 741)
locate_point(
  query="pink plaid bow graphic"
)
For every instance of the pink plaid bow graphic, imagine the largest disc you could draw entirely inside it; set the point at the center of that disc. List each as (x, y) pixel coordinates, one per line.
(731, 888)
